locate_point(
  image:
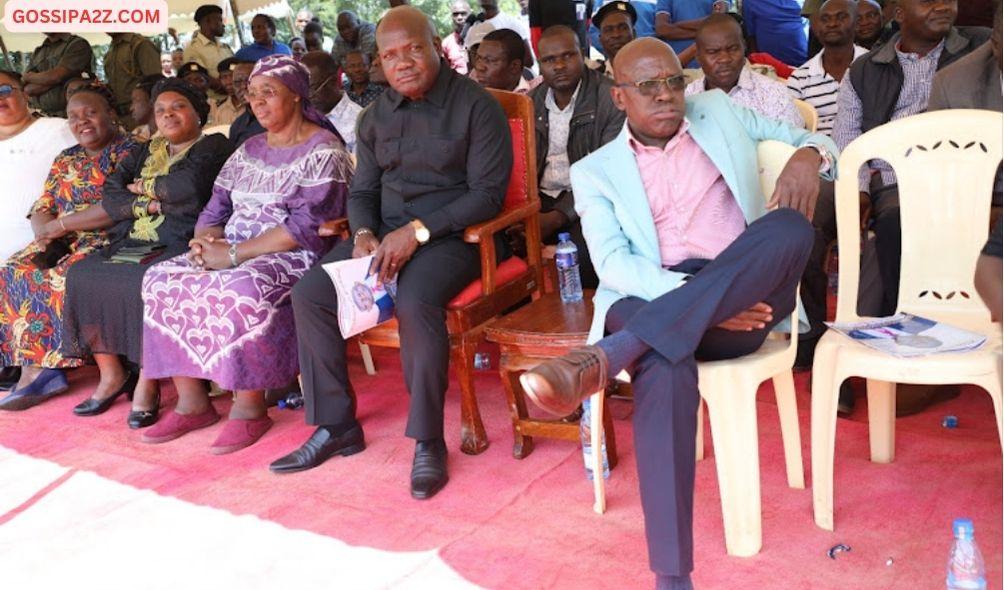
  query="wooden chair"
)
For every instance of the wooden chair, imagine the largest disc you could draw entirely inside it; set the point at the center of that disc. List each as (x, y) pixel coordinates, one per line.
(809, 114)
(501, 286)
(729, 389)
(945, 164)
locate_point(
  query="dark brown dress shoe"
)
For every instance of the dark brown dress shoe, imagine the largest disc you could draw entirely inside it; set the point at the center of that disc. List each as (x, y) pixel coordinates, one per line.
(428, 470)
(913, 399)
(558, 386)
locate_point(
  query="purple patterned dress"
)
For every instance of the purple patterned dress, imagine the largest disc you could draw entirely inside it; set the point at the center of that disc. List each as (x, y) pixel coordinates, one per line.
(235, 326)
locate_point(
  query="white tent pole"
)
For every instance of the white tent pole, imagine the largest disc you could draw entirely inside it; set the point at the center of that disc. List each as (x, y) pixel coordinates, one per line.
(6, 58)
(232, 4)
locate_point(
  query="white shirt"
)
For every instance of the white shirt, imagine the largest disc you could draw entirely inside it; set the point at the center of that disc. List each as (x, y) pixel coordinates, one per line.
(344, 117)
(556, 176)
(25, 161)
(761, 94)
(811, 83)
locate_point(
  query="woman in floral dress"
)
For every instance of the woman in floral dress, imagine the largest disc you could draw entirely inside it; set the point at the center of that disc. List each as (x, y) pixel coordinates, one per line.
(68, 224)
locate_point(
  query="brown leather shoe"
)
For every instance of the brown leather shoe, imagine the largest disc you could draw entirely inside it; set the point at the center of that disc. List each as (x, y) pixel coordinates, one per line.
(913, 399)
(559, 385)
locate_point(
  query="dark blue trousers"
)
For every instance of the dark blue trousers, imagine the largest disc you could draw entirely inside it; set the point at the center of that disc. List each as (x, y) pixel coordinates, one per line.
(763, 264)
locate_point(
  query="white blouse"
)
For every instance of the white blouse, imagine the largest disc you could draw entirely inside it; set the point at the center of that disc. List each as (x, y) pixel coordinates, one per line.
(25, 161)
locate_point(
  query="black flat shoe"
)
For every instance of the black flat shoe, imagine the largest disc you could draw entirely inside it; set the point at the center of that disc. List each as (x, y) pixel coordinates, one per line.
(321, 446)
(93, 407)
(9, 376)
(143, 418)
(428, 471)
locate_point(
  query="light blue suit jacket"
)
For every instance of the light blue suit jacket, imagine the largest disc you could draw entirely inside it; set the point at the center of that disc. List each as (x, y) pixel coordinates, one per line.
(616, 218)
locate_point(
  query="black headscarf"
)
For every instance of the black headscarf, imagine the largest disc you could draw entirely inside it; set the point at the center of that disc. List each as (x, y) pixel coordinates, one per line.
(195, 96)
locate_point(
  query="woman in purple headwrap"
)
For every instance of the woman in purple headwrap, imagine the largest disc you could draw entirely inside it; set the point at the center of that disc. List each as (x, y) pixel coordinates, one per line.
(222, 311)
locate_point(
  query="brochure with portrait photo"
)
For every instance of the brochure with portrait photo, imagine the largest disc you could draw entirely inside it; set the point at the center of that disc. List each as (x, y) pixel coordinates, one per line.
(363, 302)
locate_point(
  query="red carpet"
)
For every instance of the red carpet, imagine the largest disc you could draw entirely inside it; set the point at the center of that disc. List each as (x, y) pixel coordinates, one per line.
(503, 523)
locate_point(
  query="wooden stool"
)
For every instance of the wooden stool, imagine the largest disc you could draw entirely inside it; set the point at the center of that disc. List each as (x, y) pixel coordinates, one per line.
(544, 329)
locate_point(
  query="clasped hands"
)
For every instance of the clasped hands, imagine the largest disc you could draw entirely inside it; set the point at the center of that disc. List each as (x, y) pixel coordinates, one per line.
(209, 253)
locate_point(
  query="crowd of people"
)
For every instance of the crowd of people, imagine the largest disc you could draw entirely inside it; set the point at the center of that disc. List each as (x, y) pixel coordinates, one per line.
(165, 222)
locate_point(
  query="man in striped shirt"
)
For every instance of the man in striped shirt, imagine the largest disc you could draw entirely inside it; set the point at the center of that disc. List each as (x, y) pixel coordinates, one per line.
(818, 80)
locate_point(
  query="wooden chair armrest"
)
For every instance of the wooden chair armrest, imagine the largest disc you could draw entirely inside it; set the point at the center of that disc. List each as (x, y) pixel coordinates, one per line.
(483, 232)
(334, 227)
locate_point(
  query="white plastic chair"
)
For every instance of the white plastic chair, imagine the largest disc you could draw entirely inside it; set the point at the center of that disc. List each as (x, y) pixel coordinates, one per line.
(729, 389)
(809, 114)
(945, 164)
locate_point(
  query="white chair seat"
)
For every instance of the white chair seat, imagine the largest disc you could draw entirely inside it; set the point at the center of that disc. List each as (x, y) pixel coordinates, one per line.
(945, 163)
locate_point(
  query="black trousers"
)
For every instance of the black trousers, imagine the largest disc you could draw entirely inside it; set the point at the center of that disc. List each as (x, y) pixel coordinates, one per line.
(435, 274)
(763, 264)
(815, 283)
(590, 280)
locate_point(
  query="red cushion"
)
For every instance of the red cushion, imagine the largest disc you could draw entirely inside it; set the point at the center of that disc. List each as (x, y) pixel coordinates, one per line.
(505, 272)
(516, 193)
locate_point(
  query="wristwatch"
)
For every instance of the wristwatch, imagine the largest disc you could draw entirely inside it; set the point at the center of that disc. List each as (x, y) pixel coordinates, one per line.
(421, 232)
(233, 255)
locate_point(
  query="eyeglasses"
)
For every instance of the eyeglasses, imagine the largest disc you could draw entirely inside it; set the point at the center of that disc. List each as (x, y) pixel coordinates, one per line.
(266, 93)
(6, 90)
(653, 87)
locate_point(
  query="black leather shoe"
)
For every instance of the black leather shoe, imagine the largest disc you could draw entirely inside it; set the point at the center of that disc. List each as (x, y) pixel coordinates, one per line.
(428, 471)
(93, 407)
(143, 418)
(321, 446)
(9, 376)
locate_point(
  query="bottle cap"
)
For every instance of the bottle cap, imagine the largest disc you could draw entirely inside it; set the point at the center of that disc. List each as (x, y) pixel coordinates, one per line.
(564, 236)
(962, 528)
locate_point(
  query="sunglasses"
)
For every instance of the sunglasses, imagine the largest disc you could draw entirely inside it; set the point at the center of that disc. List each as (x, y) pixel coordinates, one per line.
(6, 90)
(653, 87)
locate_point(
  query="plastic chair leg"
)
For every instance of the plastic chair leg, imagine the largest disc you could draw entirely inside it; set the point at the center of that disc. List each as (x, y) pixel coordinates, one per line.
(699, 443)
(882, 420)
(364, 349)
(993, 387)
(787, 409)
(737, 458)
(596, 432)
(825, 388)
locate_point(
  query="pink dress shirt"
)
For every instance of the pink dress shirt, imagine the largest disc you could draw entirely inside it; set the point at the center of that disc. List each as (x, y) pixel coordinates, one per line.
(456, 55)
(695, 213)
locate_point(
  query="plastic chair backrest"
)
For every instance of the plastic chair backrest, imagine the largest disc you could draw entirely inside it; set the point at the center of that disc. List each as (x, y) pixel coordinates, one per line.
(945, 163)
(523, 180)
(809, 115)
(224, 129)
(772, 157)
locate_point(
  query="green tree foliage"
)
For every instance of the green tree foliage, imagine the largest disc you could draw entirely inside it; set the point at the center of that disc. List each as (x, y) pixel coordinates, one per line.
(370, 10)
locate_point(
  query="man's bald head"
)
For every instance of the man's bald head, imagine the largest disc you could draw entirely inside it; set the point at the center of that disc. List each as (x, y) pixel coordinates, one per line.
(409, 18)
(559, 32)
(409, 51)
(654, 108)
(643, 49)
(718, 24)
(835, 23)
(721, 51)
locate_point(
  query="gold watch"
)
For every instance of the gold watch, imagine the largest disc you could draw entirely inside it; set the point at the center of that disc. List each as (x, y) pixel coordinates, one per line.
(421, 232)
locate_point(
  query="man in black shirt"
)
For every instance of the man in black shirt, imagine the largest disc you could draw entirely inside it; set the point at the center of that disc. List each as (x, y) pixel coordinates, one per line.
(434, 156)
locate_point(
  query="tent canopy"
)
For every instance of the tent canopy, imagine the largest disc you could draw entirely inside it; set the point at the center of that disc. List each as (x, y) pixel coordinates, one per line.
(181, 19)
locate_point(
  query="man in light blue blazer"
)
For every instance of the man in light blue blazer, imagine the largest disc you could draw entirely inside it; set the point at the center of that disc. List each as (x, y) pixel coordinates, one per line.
(692, 266)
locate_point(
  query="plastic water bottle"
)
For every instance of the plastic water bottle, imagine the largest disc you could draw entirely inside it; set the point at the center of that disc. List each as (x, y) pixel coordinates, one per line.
(965, 563)
(585, 433)
(293, 401)
(482, 361)
(566, 257)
